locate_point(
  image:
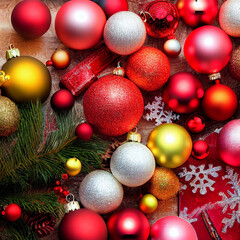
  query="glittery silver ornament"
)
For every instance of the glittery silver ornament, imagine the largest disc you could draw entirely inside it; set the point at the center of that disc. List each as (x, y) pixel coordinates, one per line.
(172, 48)
(229, 17)
(100, 192)
(133, 164)
(124, 33)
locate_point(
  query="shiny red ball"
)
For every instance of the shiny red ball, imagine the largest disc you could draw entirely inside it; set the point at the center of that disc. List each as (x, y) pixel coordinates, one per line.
(220, 102)
(31, 18)
(200, 150)
(128, 223)
(113, 105)
(79, 24)
(84, 131)
(195, 123)
(161, 18)
(82, 224)
(195, 13)
(13, 212)
(62, 100)
(183, 92)
(208, 49)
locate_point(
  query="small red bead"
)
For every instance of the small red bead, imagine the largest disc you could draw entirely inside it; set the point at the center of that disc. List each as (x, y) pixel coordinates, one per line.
(195, 124)
(65, 176)
(49, 63)
(58, 183)
(3, 213)
(200, 150)
(65, 193)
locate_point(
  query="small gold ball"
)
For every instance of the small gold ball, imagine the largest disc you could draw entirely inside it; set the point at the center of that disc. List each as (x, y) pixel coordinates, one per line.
(148, 204)
(60, 59)
(73, 166)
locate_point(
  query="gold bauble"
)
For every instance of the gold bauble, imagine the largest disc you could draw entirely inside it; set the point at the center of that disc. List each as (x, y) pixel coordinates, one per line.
(170, 144)
(60, 59)
(148, 204)
(9, 117)
(73, 166)
(164, 184)
(29, 80)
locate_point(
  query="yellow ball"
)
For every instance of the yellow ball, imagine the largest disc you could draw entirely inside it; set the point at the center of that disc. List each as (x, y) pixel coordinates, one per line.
(171, 145)
(73, 166)
(29, 80)
(148, 204)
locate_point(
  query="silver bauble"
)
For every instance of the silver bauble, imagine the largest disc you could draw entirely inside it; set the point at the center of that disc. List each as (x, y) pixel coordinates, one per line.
(172, 48)
(133, 164)
(100, 192)
(229, 17)
(124, 33)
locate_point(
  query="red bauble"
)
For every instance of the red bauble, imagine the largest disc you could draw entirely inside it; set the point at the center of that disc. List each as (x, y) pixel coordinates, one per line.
(200, 150)
(112, 6)
(128, 223)
(113, 105)
(228, 143)
(62, 100)
(79, 24)
(183, 92)
(173, 228)
(220, 102)
(31, 18)
(208, 49)
(82, 224)
(148, 68)
(195, 123)
(12, 212)
(195, 13)
(161, 18)
(84, 131)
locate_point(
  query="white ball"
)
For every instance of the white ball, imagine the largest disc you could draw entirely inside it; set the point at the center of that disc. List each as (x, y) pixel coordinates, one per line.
(124, 33)
(229, 17)
(172, 48)
(100, 192)
(133, 164)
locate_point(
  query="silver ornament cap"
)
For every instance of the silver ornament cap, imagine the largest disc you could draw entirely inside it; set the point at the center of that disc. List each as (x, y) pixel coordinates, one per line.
(71, 204)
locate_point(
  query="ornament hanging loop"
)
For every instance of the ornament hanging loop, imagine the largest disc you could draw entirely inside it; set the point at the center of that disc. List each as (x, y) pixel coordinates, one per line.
(144, 15)
(71, 204)
(3, 78)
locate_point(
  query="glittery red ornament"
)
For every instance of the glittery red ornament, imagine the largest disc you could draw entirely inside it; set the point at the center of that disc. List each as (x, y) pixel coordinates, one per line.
(183, 92)
(161, 18)
(128, 223)
(62, 100)
(148, 68)
(84, 131)
(195, 123)
(234, 64)
(113, 105)
(12, 212)
(200, 150)
(220, 102)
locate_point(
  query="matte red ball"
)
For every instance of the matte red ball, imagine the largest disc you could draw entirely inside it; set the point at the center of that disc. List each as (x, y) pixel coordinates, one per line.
(13, 212)
(173, 228)
(220, 102)
(82, 224)
(183, 92)
(113, 105)
(200, 150)
(84, 131)
(31, 18)
(128, 223)
(208, 49)
(148, 68)
(79, 24)
(62, 100)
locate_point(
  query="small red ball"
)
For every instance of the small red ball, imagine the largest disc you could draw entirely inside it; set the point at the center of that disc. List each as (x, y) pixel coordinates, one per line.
(62, 100)
(200, 150)
(12, 212)
(220, 102)
(84, 131)
(82, 224)
(31, 18)
(195, 123)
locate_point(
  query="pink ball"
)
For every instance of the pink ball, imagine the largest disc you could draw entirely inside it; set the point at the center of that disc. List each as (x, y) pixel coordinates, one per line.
(79, 24)
(208, 49)
(62, 100)
(173, 228)
(228, 143)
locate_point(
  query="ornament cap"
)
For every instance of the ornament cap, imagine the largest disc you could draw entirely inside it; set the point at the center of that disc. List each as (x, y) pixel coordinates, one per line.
(134, 136)
(12, 52)
(71, 204)
(214, 76)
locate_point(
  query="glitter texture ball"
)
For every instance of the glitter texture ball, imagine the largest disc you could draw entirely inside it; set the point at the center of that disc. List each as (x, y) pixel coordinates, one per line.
(124, 33)
(100, 192)
(132, 164)
(234, 64)
(229, 17)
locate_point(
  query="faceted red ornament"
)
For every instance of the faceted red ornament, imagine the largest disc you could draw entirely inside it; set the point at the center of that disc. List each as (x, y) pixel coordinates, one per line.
(161, 19)
(197, 12)
(200, 150)
(84, 131)
(65, 176)
(195, 123)
(13, 212)
(62, 100)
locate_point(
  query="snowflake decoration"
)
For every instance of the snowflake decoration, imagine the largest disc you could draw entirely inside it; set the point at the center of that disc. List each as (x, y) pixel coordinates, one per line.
(201, 179)
(186, 216)
(232, 201)
(158, 113)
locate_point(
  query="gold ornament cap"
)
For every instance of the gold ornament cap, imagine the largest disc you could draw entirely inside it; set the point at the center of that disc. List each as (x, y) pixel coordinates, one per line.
(71, 204)
(3, 78)
(214, 76)
(119, 71)
(134, 136)
(12, 52)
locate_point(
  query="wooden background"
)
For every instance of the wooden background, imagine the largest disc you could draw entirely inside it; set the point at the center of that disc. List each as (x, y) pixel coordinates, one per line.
(43, 48)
